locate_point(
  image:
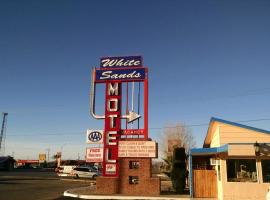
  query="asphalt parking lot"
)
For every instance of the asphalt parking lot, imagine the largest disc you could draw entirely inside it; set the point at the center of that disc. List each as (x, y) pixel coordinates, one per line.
(36, 185)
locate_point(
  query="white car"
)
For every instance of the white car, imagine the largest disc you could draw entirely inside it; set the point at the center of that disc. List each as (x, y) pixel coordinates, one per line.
(64, 170)
(84, 172)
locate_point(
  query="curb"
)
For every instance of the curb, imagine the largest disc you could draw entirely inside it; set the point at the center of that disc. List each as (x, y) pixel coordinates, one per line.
(68, 193)
(28, 178)
(77, 180)
(81, 196)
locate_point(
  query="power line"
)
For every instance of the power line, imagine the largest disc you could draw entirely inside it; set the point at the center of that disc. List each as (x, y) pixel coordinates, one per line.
(254, 92)
(47, 134)
(151, 128)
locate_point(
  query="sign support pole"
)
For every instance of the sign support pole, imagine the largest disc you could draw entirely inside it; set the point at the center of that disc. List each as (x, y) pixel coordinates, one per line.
(146, 106)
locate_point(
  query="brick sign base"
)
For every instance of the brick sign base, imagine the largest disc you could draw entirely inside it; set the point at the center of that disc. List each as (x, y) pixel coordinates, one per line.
(107, 185)
(146, 186)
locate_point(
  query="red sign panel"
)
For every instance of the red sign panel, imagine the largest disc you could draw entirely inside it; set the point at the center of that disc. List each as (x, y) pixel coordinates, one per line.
(112, 128)
(133, 132)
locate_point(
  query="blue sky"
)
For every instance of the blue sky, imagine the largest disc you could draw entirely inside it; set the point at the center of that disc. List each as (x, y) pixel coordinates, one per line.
(205, 58)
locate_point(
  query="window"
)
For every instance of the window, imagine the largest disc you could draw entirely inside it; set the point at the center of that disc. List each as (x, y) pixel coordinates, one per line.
(133, 179)
(134, 164)
(241, 170)
(82, 169)
(266, 171)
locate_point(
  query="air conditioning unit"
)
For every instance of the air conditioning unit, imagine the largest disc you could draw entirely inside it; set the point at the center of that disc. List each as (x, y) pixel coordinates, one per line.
(214, 161)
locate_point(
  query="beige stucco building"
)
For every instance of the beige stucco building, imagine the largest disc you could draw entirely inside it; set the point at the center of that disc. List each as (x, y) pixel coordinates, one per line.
(233, 164)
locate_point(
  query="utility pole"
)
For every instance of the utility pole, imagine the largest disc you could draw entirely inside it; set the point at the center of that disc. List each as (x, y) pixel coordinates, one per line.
(61, 149)
(48, 154)
(2, 134)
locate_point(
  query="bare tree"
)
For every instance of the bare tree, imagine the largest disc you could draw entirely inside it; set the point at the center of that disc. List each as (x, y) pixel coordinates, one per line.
(175, 136)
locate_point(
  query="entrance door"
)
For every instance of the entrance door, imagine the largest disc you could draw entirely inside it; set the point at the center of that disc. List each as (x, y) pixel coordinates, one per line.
(205, 183)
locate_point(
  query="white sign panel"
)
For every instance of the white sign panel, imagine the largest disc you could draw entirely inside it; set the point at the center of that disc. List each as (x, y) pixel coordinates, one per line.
(110, 168)
(94, 155)
(94, 136)
(139, 149)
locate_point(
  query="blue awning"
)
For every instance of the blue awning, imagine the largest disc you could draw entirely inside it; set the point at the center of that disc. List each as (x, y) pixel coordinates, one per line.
(209, 151)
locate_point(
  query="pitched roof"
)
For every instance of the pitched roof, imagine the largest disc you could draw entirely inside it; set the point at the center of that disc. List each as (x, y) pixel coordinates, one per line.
(213, 119)
(239, 125)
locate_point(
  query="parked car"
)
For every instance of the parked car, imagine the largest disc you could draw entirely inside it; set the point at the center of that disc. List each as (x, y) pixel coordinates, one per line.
(59, 169)
(64, 170)
(84, 172)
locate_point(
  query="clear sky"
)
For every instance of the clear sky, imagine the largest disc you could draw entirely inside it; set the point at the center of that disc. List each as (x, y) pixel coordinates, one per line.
(205, 58)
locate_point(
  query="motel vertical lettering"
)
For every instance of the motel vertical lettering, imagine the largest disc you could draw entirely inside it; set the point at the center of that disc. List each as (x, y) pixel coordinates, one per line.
(112, 128)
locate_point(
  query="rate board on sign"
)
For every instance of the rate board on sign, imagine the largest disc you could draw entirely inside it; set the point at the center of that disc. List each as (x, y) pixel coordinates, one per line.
(139, 149)
(94, 155)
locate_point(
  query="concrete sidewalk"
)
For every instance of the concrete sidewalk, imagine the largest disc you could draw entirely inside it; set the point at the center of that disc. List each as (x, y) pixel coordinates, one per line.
(89, 193)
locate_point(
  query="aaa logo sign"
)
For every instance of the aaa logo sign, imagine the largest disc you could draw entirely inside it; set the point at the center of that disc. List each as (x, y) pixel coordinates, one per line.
(94, 136)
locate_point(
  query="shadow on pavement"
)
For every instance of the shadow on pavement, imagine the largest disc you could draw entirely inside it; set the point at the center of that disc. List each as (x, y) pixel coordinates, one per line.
(65, 198)
(10, 183)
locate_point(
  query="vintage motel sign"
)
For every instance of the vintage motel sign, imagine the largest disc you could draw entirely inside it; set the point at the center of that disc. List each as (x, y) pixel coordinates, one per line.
(113, 72)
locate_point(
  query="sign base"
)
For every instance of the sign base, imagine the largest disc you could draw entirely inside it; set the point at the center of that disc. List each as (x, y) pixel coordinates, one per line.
(135, 178)
(107, 185)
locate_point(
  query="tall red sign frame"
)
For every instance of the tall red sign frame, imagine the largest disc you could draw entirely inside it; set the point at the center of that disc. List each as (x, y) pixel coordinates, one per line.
(113, 114)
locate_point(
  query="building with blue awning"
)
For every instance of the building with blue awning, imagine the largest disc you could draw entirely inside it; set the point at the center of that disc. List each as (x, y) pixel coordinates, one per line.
(234, 162)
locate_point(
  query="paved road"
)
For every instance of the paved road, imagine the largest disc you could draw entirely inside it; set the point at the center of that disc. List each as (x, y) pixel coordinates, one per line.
(35, 185)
